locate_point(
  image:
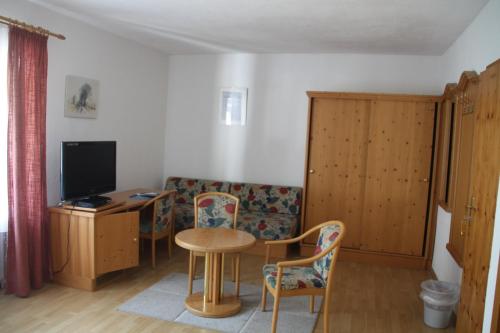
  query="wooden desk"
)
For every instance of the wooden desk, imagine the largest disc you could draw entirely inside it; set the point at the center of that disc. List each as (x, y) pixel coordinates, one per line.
(86, 245)
(215, 242)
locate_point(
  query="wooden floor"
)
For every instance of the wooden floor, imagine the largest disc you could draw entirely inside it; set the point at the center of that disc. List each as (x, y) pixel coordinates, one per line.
(366, 298)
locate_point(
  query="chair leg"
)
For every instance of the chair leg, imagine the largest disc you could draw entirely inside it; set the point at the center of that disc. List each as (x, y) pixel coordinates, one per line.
(190, 277)
(237, 291)
(264, 295)
(275, 312)
(153, 252)
(311, 304)
(326, 315)
(169, 244)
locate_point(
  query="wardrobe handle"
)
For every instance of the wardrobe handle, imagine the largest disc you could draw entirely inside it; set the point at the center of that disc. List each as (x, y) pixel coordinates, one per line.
(311, 170)
(425, 180)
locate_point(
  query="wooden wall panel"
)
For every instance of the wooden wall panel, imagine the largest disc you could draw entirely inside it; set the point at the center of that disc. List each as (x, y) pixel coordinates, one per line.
(337, 157)
(398, 176)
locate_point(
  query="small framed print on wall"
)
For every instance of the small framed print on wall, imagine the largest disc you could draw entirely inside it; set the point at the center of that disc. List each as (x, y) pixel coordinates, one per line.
(233, 106)
(81, 98)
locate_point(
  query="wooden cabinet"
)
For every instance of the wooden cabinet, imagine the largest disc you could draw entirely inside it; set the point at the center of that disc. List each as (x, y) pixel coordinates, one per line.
(484, 186)
(116, 242)
(369, 164)
(336, 165)
(86, 245)
(398, 175)
(465, 94)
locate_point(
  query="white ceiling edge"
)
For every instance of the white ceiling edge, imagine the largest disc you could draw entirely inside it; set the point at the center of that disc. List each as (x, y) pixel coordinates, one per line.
(142, 33)
(132, 35)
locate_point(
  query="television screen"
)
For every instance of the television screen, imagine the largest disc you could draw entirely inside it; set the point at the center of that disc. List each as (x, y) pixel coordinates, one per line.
(88, 168)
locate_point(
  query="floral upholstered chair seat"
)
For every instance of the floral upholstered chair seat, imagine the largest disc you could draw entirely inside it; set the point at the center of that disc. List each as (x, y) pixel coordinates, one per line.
(267, 225)
(294, 277)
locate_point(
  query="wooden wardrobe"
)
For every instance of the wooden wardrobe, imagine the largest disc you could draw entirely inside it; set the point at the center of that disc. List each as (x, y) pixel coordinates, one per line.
(369, 163)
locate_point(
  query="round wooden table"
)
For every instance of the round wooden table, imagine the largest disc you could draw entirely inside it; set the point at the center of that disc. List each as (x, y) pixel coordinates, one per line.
(214, 242)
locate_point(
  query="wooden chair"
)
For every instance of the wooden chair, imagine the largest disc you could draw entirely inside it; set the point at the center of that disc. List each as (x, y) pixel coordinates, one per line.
(215, 210)
(158, 222)
(291, 278)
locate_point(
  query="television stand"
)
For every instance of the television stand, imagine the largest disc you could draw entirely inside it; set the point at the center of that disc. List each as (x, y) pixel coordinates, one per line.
(87, 245)
(92, 201)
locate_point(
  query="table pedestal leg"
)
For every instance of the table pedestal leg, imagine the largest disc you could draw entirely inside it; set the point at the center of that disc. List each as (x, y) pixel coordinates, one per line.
(212, 302)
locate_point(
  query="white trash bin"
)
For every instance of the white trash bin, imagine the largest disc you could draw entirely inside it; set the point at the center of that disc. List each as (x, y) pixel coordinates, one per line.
(439, 300)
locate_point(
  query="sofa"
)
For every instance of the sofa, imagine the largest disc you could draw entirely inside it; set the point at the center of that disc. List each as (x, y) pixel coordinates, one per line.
(269, 212)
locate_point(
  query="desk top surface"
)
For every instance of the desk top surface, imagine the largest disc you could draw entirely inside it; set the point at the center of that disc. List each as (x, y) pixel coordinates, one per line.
(220, 240)
(123, 197)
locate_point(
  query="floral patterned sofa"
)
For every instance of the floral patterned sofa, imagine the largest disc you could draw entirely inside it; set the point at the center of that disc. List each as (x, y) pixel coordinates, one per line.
(266, 211)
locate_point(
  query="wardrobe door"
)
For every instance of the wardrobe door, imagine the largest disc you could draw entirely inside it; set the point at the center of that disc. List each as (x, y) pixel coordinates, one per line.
(400, 147)
(463, 143)
(336, 165)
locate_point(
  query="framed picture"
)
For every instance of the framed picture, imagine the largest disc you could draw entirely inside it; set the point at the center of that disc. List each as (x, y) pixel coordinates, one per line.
(233, 106)
(81, 97)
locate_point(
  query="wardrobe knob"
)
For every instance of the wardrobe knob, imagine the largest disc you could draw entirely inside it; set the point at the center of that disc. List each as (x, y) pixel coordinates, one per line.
(311, 171)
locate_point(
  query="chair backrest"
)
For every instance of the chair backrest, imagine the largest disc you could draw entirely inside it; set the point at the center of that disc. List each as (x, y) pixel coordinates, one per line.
(215, 210)
(327, 236)
(163, 210)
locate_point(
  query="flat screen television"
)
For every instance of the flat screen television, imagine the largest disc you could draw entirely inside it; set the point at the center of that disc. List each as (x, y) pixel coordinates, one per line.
(88, 168)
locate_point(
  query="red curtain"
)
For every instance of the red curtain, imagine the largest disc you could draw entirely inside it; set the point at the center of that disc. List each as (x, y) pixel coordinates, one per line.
(27, 247)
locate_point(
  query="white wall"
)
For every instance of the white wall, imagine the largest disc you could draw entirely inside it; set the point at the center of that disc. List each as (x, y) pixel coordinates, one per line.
(477, 47)
(492, 274)
(271, 148)
(133, 86)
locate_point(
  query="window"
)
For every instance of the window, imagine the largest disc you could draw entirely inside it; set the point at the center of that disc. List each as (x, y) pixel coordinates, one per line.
(4, 35)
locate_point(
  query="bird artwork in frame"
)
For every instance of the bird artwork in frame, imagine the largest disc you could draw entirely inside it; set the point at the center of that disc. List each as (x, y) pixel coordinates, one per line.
(81, 98)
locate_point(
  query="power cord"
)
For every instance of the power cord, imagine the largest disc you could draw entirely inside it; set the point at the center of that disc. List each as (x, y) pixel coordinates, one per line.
(68, 246)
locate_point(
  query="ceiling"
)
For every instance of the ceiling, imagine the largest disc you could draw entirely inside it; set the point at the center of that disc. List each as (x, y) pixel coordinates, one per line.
(280, 26)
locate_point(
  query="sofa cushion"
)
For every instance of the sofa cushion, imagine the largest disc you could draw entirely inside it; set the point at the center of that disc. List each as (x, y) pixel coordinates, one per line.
(268, 198)
(294, 277)
(184, 216)
(206, 185)
(187, 188)
(267, 225)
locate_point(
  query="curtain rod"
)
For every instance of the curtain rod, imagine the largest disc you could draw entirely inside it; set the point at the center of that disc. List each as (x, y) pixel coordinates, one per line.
(31, 28)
